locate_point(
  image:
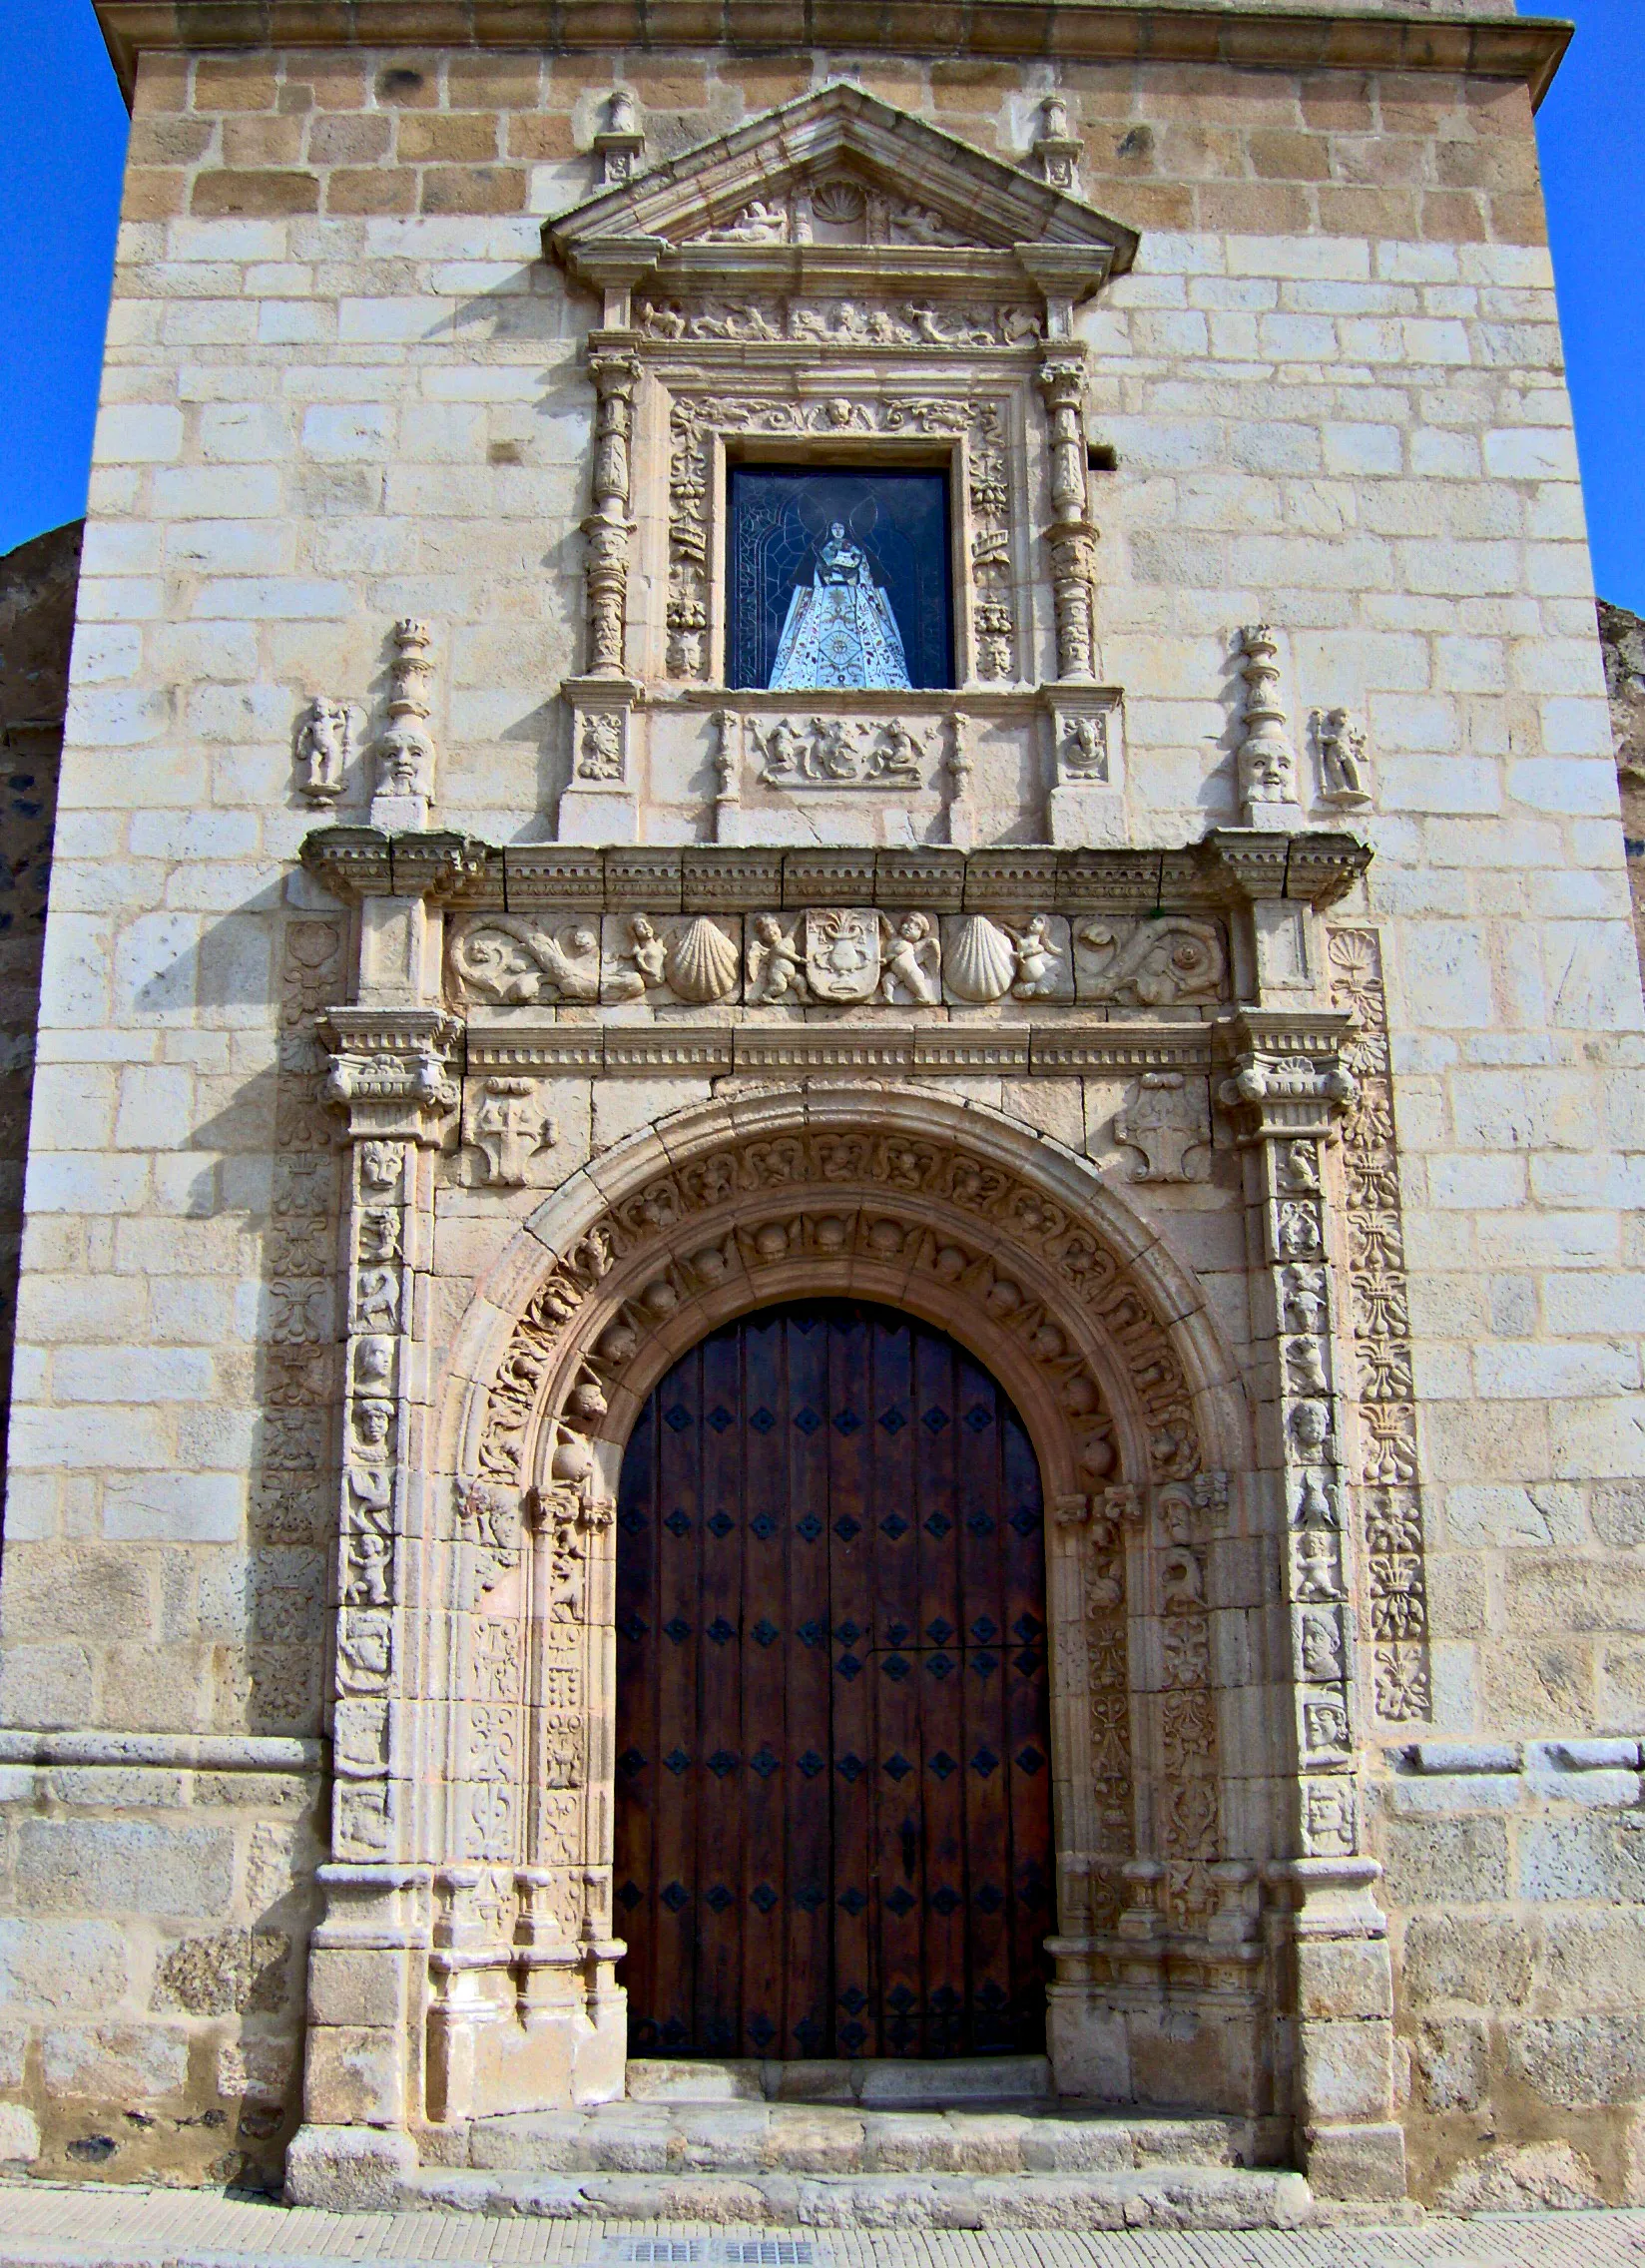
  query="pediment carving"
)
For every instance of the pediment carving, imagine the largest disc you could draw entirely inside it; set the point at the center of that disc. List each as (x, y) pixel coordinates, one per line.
(841, 186)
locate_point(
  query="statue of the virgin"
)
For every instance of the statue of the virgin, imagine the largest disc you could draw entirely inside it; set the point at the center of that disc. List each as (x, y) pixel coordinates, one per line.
(839, 631)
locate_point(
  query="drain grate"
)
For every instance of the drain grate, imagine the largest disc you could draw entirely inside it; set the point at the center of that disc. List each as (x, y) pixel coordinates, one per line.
(767, 2252)
(650, 2250)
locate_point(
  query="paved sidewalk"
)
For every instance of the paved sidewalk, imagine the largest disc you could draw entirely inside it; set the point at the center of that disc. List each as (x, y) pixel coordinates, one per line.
(43, 2226)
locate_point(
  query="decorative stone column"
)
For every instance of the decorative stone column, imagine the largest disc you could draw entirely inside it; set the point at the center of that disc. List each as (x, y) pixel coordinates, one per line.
(1071, 534)
(1286, 1088)
(600, 803)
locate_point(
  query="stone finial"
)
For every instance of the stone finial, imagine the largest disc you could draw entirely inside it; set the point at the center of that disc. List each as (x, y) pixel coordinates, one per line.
(620, 144)
(1267, 760)
(406, 751)
(1058, 151)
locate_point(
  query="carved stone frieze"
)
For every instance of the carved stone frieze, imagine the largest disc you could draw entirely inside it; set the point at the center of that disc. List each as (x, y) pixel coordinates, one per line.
(842, 752)
(1174, 961)
(945, 327)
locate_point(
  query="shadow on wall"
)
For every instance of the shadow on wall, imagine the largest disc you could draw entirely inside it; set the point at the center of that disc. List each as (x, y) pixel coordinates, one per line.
(37, 582)
(1622, 638)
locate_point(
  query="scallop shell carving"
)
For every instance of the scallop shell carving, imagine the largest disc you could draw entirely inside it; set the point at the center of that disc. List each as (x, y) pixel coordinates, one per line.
(981, 964)
(702, 962)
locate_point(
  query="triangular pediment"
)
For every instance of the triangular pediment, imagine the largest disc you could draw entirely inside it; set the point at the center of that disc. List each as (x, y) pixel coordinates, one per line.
(840, 170)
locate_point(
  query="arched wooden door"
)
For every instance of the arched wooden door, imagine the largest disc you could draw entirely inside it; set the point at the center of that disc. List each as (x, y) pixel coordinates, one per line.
(834, 1777)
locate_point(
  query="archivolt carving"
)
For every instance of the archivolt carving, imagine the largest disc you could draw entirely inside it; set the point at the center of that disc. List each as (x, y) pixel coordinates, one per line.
(926, 1207)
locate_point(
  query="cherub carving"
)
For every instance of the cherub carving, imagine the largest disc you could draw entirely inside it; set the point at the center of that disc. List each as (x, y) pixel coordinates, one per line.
(776, 969)
(911, 960)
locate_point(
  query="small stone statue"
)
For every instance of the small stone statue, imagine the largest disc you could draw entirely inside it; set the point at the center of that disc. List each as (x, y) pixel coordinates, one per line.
(326, 742)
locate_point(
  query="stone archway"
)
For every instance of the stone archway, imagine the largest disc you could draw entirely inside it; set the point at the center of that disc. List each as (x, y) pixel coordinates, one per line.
(1015, 1247)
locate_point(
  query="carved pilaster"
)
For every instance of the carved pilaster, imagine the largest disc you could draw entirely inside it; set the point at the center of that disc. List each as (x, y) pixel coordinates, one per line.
(1287, 1092)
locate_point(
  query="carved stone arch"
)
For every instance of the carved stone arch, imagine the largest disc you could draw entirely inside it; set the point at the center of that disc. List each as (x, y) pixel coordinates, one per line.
(1017, 1247)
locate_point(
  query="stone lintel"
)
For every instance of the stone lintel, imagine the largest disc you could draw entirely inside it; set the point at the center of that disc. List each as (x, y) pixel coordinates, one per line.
(1527, 49)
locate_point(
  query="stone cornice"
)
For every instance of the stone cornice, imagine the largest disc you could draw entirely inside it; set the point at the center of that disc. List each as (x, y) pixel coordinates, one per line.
(1524, 48)
(1229, 867)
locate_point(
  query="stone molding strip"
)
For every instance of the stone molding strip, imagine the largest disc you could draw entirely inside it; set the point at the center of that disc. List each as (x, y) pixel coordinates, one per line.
(1528, 49)
(175, 1752)
(1229, 865)
(722, 1050)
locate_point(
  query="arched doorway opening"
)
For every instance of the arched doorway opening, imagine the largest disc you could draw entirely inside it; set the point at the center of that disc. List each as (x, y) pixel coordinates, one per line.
(834, 1831)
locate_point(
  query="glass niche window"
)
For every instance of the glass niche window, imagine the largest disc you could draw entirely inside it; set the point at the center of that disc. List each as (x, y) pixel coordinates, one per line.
(839, 580)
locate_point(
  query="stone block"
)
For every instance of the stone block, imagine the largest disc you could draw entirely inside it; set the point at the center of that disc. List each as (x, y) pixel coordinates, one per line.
(1521, 2178)
(1452, 1862)
(1347, 1976)
(1591, 1858)
(19, 2135)
(123, 1866)
(230, 1973)
(1346, 2069)
(1487, 1960)
(114, 2062)
(351, 1986)
(1580, 2061)
(350, 2169)
(62, 1967)
(1449, 2063)
(1361, 2164)
(355, 2076)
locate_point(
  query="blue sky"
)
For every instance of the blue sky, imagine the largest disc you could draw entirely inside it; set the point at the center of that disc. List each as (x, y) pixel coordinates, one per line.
(59, 187)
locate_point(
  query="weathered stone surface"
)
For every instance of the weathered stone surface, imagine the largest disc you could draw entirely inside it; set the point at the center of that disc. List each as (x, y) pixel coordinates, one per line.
(229, 1973)
(62, 1967)
(114, 2062)
(19, 2135)
(87, 1866)
(1578, 2060)
(1519, 2177)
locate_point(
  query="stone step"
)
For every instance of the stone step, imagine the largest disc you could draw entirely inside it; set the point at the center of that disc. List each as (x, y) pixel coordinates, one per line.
(671, 2136)
(1167, 2197)
(894, 2081)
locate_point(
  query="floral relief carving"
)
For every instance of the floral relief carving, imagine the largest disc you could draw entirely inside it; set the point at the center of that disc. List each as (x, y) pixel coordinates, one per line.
(1388, 1484)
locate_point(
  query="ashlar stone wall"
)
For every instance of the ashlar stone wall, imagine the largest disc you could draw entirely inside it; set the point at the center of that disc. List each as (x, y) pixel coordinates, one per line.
(344, 387)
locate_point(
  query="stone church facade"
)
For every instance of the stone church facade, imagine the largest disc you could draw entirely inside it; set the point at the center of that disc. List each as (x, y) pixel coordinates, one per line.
(1200, 1007)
